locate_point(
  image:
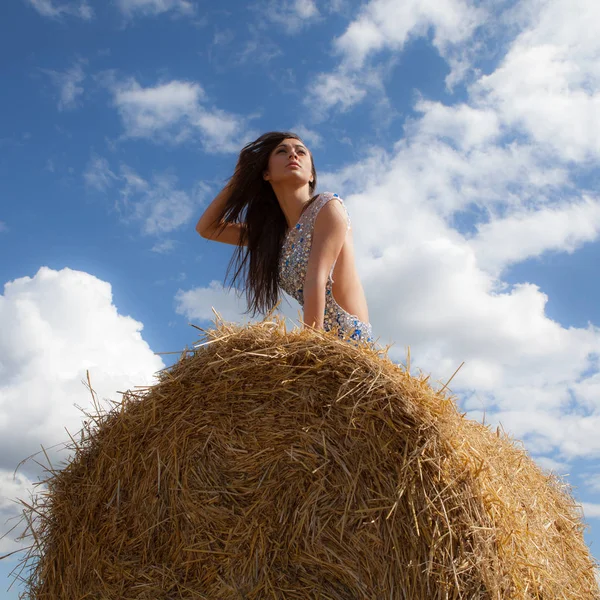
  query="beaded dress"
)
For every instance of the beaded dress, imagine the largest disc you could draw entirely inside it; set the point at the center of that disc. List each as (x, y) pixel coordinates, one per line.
(293, 260)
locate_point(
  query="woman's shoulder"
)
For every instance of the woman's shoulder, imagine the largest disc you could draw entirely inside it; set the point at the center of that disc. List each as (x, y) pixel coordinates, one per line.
(324, 197)
(318, 201)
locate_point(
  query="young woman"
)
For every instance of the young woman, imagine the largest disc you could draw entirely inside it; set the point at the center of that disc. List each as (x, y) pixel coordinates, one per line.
(294, 240)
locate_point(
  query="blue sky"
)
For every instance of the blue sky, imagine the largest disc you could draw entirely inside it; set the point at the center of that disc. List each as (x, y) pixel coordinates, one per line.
(463, 136)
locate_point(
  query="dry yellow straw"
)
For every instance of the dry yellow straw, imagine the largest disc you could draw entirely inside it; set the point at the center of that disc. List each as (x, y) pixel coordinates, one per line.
(294, 465)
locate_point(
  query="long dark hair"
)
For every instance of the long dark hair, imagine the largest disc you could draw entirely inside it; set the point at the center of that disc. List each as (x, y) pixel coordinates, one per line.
(266, 224)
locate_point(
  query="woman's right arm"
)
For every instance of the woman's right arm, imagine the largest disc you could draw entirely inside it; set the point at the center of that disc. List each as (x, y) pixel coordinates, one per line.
(210, 230)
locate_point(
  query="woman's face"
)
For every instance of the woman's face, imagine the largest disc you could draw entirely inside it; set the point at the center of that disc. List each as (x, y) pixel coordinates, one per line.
(290, 162)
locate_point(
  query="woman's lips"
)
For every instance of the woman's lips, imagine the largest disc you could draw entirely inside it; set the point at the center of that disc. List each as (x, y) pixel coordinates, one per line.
(294, 165)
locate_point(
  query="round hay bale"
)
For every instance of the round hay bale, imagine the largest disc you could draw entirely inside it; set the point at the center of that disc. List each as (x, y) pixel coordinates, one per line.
(293, 465)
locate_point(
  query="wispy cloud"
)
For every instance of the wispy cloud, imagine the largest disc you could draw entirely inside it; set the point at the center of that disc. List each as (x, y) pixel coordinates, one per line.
(163, 247)
(53, 10)
(258, 49)
(592, 481)
(158, 206)
(69, 85)
(98, 174)
(291, 15)
(155, 7)
(310, 136)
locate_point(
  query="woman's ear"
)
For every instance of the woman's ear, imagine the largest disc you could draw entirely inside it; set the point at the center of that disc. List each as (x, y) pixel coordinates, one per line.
(266, 175)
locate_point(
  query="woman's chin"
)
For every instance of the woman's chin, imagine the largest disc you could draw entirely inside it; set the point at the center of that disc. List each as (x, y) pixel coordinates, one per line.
(296, 176)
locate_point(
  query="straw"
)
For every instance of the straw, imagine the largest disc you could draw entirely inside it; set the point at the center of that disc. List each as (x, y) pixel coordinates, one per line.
(269, 463)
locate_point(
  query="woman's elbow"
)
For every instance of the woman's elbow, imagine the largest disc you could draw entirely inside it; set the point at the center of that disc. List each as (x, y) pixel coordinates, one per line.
(200, 228)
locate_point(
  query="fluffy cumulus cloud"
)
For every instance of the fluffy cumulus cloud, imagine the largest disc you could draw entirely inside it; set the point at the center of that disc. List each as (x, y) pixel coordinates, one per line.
(157, 206)
(440, 291)
(55, 10)
(198, 303)
(562, 228)
(382, 25)
(548, 84)
(388, 24)
(56, 326)
(176, 112)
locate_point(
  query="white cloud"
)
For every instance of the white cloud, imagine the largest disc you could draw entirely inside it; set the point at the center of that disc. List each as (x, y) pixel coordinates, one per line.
(221, 131)
(559, 467)
(292, 15)
(55, 326)
(164, 208)
(98, 174)
(389, 24)
(313, 138)
(196, 303)
(155, 7)
(13, 487)
(462, 195)
(331, 89)
(591, 510)
(48, 8)
(147, 110)
(69, 86)
(163, 247)
(158, 206)
(592, 481)
(3, 227)
(463, 125)
(548, 84)
(133, 183)
(439, 290)
(173, 112)
(563, 228)
(430, 287)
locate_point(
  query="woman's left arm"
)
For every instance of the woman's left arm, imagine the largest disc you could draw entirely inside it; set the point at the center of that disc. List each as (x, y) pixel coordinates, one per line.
(329, 234)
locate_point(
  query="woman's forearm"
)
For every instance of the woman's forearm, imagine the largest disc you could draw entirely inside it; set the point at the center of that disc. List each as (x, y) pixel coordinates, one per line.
(314, 304)
(209, 219)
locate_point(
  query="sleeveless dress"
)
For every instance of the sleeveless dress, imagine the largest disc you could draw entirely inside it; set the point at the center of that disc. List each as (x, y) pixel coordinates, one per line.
(293, 260)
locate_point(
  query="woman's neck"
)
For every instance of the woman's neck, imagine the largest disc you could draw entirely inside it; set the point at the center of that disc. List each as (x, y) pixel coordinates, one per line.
(293, 202)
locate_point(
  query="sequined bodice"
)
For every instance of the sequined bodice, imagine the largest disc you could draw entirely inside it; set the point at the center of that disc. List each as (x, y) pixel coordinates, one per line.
(293, 261)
